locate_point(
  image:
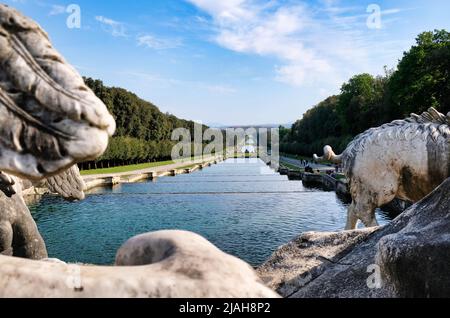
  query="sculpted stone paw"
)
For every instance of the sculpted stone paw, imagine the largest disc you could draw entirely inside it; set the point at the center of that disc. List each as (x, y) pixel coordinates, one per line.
(69, 184)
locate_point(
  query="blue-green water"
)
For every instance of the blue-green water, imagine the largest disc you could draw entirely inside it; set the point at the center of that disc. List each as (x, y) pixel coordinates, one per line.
(241, 206)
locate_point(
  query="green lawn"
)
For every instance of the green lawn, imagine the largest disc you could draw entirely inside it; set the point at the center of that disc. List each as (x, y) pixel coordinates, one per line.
(292, 167)
(340, 176)
(126, 168)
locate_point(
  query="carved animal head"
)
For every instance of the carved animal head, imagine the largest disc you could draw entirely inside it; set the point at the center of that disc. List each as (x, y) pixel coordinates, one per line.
(49, 119)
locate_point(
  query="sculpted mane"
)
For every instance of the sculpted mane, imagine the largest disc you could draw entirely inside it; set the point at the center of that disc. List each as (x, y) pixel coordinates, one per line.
(430, 124)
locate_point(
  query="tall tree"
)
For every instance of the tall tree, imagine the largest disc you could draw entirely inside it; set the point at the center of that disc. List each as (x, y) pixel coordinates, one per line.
(423, 76)
(143, 132)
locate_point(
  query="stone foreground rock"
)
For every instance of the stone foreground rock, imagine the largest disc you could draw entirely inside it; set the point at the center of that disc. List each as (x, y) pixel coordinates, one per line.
(409, 257)
(160, 264)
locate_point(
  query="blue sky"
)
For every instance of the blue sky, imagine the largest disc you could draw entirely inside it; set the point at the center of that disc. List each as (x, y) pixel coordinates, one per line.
(234, 61)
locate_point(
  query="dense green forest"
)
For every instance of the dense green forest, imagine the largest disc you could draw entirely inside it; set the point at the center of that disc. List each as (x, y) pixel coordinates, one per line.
(421, 80)
(143, 132)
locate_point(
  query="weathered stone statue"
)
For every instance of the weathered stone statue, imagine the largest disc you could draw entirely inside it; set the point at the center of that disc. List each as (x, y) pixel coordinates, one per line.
(405, 159)
(49, 121)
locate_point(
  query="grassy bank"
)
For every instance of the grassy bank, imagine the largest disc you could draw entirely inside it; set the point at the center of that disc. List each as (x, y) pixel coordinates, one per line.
(126, 168)
(292, 167)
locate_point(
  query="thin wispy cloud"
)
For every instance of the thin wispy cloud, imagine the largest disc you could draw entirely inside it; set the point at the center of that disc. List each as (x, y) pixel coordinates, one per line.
(157, 43)
(115, 28)
(309, 44)
(393, 11)
(57, 9)
(220, 89)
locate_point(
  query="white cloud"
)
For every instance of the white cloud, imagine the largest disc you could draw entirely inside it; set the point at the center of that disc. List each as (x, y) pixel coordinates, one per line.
(391, 11)
(311, 43)
(117, 29)
(57, 9)
(266, 30)
(230, 9)
(156, 43)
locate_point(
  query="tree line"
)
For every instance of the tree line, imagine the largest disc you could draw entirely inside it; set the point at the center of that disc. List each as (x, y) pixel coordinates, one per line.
(143, 132)
(420, 81)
